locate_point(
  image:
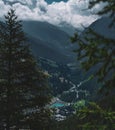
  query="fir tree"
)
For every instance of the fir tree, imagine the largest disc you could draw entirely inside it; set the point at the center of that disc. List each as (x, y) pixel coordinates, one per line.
(109, 6)
(23, 85)
(97, 50)
(108, 9)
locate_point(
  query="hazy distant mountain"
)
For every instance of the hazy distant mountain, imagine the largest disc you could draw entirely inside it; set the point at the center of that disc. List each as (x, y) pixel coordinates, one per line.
(49, 41)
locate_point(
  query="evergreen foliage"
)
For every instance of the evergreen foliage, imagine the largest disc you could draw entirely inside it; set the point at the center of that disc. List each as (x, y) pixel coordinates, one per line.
(90, 117)
(94, 117)
(97, 52)
(109, 8)
(23, 85)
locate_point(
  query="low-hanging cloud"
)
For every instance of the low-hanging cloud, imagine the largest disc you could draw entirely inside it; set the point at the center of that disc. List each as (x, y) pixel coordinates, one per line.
(73, 12)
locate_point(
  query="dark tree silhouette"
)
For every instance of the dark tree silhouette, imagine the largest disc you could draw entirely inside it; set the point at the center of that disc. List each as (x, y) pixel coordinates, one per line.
(108, 9)
(23, 85)
(98, 51)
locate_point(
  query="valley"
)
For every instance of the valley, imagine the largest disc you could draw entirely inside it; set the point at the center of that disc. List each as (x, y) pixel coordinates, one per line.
(53, 50)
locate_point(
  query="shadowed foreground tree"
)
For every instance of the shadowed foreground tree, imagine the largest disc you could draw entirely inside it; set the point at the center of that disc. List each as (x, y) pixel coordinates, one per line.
(108, 9)
(90, 117)
(109, 6)
(23, 85)
(96, 118)
(97, 52)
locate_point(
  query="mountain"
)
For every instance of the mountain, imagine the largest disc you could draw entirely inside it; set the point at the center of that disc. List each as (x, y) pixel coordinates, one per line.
(85, 84)
(68, 82)
(49, 41)
(52, 47)
(103, 27)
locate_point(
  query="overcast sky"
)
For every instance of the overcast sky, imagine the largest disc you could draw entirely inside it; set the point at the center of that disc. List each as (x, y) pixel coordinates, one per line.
(73, 12)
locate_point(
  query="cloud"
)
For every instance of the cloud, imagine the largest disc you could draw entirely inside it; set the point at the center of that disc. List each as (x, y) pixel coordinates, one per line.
(72, 12)
(3, 8)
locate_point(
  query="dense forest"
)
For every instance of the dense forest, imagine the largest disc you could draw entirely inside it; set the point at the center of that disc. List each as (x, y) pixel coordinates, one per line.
(27, 90)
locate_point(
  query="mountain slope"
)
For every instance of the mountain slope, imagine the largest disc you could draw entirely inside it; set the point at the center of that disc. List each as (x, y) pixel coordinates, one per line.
(102, 26)
(53, 48)
(49, 41)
